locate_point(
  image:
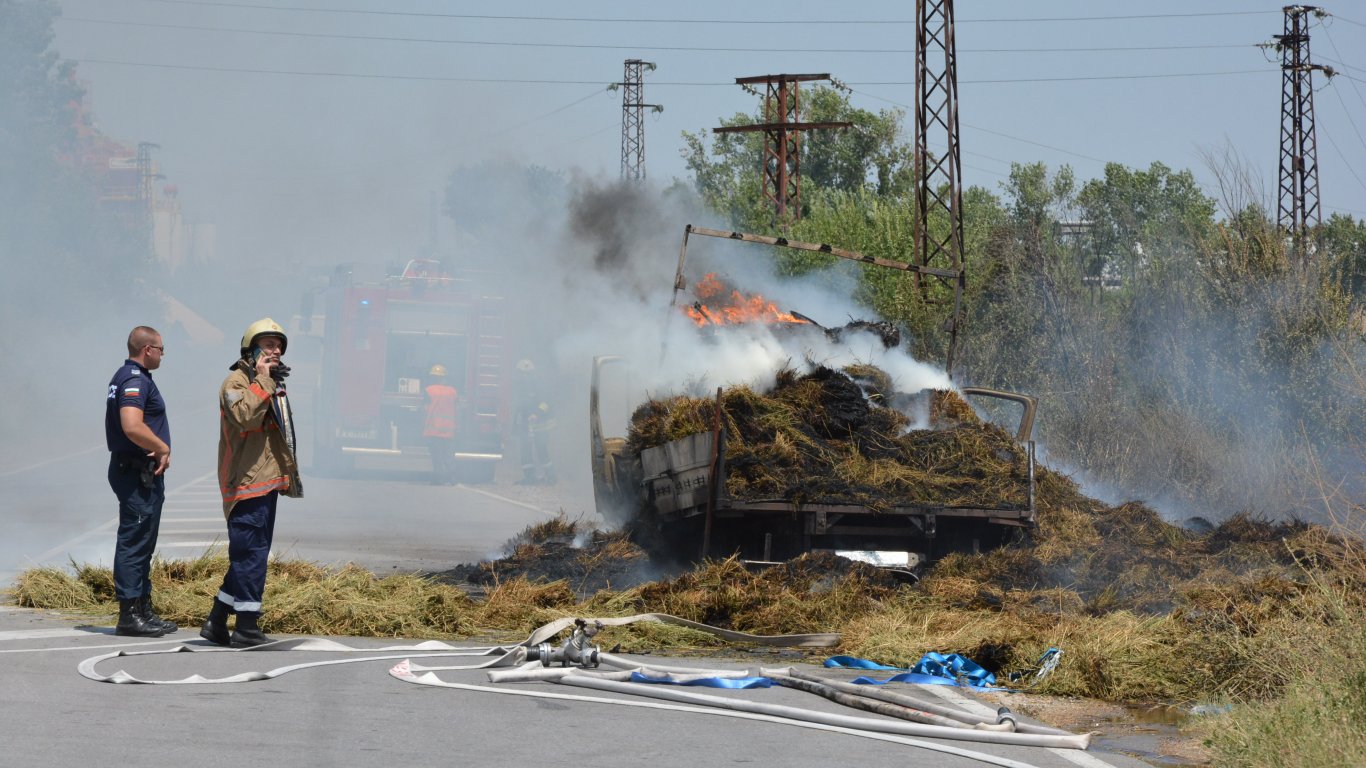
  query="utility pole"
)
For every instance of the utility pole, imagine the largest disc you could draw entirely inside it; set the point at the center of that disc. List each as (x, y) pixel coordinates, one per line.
(782, 129)
(632, 118)
(939, 177)
(146, 175)
(1299, 177)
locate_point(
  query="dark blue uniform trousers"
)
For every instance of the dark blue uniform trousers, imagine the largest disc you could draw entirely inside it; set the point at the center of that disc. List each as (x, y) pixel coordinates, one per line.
(140, 495)
(251, 527)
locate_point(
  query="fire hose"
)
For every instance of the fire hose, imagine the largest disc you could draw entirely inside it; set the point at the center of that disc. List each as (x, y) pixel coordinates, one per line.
(578, 659)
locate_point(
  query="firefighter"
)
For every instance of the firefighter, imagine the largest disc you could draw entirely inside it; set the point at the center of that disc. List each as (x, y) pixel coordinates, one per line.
(439, 428)
(535, 422)
(256, 464)
(139, 439)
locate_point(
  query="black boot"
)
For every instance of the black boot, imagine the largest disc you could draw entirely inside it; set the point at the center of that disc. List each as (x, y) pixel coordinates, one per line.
(133, 624)
(247, 633)
(150, 616)
(215, 628)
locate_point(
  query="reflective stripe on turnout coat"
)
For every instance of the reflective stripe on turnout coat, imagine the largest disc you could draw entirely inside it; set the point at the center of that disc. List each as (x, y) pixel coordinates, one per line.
(255, 455)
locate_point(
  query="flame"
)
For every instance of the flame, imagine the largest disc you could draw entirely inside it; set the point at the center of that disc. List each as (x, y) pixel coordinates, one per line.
(733, 309)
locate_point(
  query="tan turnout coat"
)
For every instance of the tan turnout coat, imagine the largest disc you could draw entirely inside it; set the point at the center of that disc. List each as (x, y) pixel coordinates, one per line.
(254, 457)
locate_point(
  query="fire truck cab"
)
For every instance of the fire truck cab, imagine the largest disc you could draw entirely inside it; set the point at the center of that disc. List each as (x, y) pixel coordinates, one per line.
(380, 338)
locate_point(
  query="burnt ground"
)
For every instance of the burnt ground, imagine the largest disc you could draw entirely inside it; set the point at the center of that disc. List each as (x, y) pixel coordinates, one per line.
(589, 561)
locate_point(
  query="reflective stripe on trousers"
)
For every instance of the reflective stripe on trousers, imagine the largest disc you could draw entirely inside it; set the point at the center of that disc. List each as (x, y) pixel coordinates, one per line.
(251, 527)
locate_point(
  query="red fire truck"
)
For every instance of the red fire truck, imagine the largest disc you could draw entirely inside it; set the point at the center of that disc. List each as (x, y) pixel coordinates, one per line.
(380, 338)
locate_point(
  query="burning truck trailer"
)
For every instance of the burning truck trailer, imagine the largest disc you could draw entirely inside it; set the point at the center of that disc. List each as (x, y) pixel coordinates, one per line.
(843, 470)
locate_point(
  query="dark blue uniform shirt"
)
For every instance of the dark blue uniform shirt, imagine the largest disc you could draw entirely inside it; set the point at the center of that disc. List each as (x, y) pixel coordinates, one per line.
(132, 385)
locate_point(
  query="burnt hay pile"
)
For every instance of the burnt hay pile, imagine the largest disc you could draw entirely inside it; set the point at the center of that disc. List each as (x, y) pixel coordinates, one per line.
(586, 560)
(845, 436)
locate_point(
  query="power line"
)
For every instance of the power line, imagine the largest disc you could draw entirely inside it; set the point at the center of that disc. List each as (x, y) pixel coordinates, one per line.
(362, 75)
(1082, 78)
(538, 118)
(601, 46)
(1344, 18)
(1350, 121)
(611, 20)
(1347, 210)
(1354, 85)
(1342, 64)
(995, 133)
(988, 130)
(1343, 157)
(437, 78)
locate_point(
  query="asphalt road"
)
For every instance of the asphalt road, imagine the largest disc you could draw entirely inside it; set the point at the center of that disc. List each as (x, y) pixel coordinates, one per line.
(356, 714)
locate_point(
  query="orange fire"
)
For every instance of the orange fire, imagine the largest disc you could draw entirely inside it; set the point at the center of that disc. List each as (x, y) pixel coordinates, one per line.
(732, 309)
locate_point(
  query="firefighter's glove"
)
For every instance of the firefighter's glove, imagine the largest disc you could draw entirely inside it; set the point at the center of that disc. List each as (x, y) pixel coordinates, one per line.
(279, 372)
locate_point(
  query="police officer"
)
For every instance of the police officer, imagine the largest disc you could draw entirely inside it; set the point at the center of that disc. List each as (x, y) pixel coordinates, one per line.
(439, 427)
(256, 464)
(139, 439)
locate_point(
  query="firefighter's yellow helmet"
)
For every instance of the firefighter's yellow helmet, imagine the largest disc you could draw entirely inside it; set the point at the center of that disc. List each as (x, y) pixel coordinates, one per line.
(264, 327)
(437, 370)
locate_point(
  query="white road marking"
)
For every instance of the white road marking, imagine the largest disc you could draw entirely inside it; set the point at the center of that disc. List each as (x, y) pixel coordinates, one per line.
(39, 634)
(217, 519)
(505, 499)
(192, 531)
(46, 462)
(66, 546)
(177, 639)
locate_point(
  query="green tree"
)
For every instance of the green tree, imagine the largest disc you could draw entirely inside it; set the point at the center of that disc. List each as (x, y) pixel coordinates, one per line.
(1134, 212)
(52, 230)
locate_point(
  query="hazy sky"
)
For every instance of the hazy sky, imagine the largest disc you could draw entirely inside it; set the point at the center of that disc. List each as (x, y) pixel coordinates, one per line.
(331, 167)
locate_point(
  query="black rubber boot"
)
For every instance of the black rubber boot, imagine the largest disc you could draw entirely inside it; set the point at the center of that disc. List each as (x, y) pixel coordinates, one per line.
(133, 624)
(150, 616)
(247, 633)
(215, 628)
(247, 638)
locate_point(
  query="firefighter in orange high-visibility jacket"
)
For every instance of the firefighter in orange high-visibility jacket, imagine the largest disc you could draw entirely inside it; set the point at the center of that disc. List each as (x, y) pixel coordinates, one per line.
(256, 464)
(439, 428)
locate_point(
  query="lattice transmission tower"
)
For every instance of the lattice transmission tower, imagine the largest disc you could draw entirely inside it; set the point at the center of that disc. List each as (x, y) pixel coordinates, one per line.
(633, 108)
(938, 164)
(147, 175)
(1299, 176)
(782, 129)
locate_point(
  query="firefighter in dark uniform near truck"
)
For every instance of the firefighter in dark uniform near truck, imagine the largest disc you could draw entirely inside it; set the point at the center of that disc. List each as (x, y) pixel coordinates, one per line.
(256, 464)
(139, 439)
(439, 427)
(535, 420)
